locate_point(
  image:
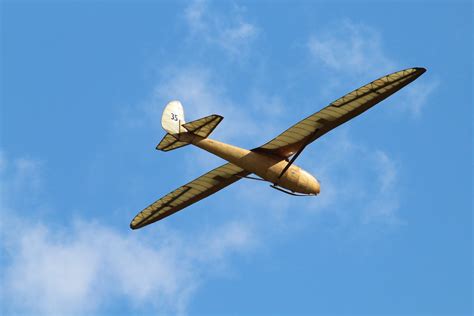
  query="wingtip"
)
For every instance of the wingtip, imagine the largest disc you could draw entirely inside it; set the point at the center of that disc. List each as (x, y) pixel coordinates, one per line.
(421, 70)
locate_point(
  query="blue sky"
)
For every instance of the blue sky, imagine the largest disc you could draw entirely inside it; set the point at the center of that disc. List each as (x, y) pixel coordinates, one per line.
(83, 85)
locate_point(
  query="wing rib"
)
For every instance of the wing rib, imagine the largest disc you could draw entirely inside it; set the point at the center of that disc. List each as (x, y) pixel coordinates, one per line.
(338, 112)
(297, 154)
(188, 194)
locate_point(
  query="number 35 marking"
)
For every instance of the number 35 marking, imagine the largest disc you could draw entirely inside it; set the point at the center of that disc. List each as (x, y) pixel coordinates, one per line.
(174, 117)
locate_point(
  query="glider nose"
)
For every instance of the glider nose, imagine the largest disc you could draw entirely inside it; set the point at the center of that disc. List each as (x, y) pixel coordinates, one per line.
(308, 184)
(316, 187)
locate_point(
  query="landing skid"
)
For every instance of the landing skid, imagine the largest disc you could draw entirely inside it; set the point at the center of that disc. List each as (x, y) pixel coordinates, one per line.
(252, 178)
(274, 186)
(289, 192)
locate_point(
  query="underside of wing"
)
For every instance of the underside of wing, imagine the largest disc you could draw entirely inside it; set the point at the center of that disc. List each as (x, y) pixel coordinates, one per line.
(169, 142)
(204, 126)
(338, 112)
(188, 194)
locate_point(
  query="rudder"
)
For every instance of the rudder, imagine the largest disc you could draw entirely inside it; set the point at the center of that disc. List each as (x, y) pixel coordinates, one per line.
(179, 133)
(173, 117)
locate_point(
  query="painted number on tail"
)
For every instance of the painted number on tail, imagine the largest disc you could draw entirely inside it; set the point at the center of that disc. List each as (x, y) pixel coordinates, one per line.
(174, 117)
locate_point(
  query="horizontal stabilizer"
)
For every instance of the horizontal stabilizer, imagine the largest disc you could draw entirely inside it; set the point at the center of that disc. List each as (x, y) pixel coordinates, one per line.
(170, 142)
(204, 126)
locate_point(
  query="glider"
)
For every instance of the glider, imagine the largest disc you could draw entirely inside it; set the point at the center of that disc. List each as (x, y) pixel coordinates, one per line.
(272, 162)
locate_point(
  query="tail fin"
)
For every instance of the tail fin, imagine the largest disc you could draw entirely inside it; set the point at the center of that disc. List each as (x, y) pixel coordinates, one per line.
(180, 133)
(173, 118)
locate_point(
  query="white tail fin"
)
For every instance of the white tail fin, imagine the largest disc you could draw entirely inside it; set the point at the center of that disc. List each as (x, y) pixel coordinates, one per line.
(173, 118)
(181, 133)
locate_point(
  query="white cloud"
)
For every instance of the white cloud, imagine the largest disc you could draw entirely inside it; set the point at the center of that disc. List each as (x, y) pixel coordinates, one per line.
(357, 181)
(385, 202)
(416, 96)
(84, 267)
(81, 269)
(202, 94)
(359, 188)
(194, 15)
(228, 31)
(387, 174)
(343, 176)
(352, 48)
(354, 53)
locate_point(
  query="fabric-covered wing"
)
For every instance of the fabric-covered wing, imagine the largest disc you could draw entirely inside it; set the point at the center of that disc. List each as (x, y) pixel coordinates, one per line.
(169, 142)
(338, 112)
(204, 126)
(188, 194)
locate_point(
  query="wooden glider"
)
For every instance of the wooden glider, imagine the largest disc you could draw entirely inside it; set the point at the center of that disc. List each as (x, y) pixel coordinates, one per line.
(271, 161)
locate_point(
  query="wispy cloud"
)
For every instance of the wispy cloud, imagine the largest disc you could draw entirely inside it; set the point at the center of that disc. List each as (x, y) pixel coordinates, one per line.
(351, 48)
(354, 53)
(359, 190)
(228, 31)
(83, 267)
(19, 177)
(417, 96)
(358, 182)
(386, 197)
(202, 93)
(359, 186)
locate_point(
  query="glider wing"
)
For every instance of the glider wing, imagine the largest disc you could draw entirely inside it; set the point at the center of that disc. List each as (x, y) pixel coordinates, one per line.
(188, 194)
(340, 111)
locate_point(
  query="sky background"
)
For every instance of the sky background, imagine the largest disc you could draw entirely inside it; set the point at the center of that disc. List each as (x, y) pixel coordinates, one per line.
(83, 85)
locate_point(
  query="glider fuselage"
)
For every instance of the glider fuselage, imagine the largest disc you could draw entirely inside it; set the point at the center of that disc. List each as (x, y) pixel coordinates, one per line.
(266, 166)
(269, 161)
